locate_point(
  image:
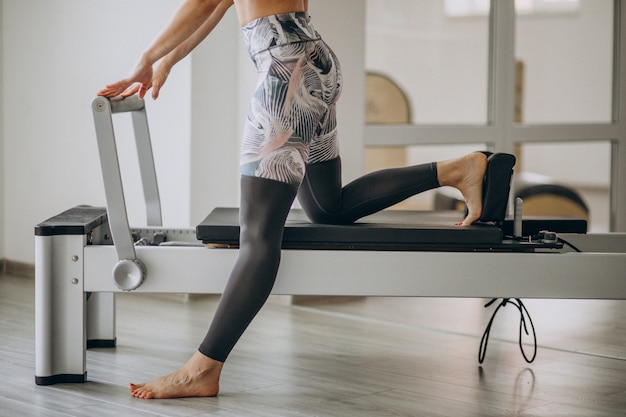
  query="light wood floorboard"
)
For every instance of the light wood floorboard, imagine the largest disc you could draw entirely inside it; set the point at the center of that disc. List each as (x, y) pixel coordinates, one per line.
(335, 357)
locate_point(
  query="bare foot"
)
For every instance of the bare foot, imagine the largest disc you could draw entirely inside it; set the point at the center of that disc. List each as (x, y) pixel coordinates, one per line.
(466, 175)
(199, 377)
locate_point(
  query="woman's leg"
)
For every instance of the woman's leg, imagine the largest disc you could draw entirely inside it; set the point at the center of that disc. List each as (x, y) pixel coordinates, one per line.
(325, 200)
(265, 204)
(300, 79)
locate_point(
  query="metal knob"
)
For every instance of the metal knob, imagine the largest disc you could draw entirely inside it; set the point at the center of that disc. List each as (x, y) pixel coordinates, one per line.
(128, 274)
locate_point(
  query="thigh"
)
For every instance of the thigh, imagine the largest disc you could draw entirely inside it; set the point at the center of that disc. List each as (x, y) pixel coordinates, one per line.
(292, 110)
(271, 147)
(324, 145)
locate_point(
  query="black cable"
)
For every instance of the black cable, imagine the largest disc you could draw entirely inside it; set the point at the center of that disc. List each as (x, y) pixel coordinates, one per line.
(565, 242)
(482, 352)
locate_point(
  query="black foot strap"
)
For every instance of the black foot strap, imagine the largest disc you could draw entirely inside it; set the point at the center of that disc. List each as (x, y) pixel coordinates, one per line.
(524, 316)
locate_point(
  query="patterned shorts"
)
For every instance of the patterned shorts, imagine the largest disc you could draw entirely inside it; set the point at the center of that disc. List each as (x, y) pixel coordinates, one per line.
(291, 119)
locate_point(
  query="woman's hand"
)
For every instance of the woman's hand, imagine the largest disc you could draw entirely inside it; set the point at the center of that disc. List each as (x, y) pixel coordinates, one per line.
(127, 88)
(193, 21)
(160, 76)
(140, 81)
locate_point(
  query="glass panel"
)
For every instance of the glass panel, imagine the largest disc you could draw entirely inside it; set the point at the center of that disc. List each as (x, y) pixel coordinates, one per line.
(586, 171)
(567, 57)
(439, 61)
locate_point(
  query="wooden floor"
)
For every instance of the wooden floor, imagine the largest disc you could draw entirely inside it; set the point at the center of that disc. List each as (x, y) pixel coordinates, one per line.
(336, 357)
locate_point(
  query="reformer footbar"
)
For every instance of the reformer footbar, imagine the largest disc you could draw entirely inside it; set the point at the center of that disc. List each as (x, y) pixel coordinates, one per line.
(414, 252)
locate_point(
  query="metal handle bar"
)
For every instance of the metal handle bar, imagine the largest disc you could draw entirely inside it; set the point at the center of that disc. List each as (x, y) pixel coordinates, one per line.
(121, 104)
(130, 272)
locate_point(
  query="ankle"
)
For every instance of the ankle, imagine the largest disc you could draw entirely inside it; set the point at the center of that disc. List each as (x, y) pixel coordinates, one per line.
(449, 172)
(203, 365)
(453, 172)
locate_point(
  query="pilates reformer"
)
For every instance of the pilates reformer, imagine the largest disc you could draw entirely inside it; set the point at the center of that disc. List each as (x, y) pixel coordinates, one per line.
(85, 255)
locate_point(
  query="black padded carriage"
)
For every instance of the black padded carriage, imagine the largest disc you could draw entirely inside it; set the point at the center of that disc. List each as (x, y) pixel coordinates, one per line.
(386, 230)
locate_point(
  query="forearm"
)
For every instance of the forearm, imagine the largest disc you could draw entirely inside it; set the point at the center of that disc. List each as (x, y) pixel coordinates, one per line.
(191, 17)
(185, 47)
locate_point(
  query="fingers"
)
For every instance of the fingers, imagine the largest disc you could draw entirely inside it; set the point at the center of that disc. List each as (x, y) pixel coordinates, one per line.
(159, 78)
(143, 89)
(131, 90)
(114, 89)
(138, 83)
(135, 88)
(156, 88)
(107, 92)
(125, 89)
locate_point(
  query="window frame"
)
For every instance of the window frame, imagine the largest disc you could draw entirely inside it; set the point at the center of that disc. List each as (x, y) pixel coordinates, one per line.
(501, 133)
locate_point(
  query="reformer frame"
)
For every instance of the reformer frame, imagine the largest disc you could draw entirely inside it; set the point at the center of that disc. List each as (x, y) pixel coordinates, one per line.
(78, 269)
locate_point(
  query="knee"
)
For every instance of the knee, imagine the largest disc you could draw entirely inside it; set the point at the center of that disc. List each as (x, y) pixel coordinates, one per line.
(318, 214)
(260, 250)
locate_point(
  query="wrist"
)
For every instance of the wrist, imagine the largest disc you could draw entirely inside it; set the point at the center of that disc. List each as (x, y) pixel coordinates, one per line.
(166, 64)
(146, 60)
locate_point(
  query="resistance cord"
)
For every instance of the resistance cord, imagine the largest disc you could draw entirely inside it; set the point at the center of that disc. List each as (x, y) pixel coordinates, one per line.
(524, 317)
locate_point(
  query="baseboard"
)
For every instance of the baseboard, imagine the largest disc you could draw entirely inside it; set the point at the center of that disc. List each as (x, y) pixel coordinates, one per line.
(18, 269)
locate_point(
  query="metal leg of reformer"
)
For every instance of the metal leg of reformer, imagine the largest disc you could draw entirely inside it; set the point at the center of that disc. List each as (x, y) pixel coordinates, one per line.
(60, 313)
(100, 320)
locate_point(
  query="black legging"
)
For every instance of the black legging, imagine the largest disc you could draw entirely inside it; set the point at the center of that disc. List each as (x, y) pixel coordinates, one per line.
(324, 200)
(264, 207)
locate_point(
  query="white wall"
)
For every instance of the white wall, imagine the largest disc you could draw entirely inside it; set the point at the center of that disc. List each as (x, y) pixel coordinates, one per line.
(58, 54)
(215, 120)
(342, 24)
